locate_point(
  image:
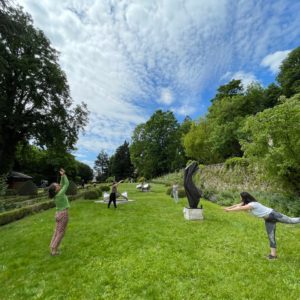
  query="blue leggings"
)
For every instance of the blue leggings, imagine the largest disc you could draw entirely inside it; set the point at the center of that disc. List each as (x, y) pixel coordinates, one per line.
(271, 221)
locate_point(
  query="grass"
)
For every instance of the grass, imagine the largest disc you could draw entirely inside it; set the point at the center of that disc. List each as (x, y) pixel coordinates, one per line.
(146, 250)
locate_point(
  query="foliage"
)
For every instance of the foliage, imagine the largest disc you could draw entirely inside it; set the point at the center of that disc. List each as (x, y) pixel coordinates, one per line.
(110, 179)
(197, 143)
(216, 137)
(102, 166)
(14, 215)
(84, 172)
(234, 243)
(27, 188)
(34, 94)
(105, 188)
(3, 185)
(45, 164)
(121, 165)
(11, 192)
(273, 140)
(169, 191)
(11, 203)
(232, 88)
(72, 189)
(92, 194)
(289, 74)
(236, 161)
(141, 179)
(156, 145)
(181, 193)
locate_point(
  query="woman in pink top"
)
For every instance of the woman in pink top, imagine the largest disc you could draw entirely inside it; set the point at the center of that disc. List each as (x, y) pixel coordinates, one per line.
(271, 217)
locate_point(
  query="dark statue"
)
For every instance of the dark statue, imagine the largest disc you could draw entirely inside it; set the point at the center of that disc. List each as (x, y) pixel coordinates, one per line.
(192, 192)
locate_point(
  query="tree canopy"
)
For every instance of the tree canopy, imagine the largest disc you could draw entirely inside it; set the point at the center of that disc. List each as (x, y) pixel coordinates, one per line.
(35, 102)
(156, 145)
(289, 74)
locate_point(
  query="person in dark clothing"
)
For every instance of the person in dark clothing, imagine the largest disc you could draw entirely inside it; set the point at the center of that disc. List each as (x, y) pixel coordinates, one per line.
(113, 194)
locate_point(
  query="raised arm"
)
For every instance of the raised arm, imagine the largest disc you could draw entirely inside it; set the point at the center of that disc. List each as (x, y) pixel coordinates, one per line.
(64, 182)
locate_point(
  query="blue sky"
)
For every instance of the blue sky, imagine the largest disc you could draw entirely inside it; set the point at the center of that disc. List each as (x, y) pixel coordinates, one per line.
(128, 58)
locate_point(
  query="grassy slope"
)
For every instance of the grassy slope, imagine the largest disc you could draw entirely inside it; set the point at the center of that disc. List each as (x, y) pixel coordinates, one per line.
(146, 250)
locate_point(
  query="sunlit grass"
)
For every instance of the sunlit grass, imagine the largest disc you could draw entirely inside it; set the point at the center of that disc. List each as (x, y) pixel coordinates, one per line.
(146, 250)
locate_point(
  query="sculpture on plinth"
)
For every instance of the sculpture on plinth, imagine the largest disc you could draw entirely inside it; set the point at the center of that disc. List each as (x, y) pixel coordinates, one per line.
(193, 193)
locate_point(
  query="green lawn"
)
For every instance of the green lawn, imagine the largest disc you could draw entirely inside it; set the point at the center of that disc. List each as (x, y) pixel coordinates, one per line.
(146, 250)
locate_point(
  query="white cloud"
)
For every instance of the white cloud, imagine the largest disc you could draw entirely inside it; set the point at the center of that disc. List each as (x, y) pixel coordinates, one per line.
(126, 58)
(185, 110)
(166, 97)
(246, 77)
(274, 60)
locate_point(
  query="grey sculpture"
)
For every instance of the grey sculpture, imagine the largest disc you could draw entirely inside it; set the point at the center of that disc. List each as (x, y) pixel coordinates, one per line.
(192, 192)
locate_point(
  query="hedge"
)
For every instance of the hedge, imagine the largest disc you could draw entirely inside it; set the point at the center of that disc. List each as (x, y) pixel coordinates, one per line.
(20, 213)
(17, 214)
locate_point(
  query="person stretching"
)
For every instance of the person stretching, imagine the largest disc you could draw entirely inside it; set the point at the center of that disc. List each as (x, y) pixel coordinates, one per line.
(58, 192)
(271, 217)
(113, 194)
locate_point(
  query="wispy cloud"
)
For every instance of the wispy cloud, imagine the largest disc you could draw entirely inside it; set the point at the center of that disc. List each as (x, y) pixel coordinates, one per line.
(127, 58)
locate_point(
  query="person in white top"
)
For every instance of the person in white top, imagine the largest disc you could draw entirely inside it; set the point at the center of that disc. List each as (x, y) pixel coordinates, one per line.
(271, 217)
(175, 192)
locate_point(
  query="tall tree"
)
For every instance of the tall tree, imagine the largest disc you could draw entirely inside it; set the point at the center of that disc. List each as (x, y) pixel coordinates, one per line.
(155, 144)
(122, 166)
(289, 74)
(84, 171)
(35, 102)
(102, 166)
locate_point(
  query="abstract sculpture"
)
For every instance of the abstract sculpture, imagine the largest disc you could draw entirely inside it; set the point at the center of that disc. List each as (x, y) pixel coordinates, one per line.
(192, 192)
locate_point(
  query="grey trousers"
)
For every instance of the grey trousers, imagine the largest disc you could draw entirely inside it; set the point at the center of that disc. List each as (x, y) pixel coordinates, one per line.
(271, 221)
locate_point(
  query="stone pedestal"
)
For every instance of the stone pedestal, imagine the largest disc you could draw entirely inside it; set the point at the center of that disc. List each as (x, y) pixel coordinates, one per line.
(193, 213)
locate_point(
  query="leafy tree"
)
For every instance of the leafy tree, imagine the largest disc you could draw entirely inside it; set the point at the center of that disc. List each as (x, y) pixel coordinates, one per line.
(121, 165)
(272, 139)
(289, 74)
(156, 144)
(84, 171)
(44, 164)
(197, 143)
(272, 94)
(35, 103)
(232, 88)
(102, 166)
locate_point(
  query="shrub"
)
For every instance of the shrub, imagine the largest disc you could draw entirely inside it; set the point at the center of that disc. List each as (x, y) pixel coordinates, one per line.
(141, 179)
(105, 188)
(92, 194)
(110, 179)
(169, 191)
(11, 192)
(232, 162)
(72, 189)
(3, 185)
(181, 193)
(27, 188)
